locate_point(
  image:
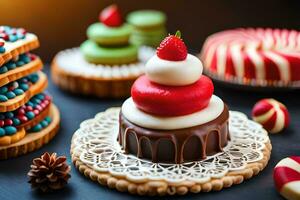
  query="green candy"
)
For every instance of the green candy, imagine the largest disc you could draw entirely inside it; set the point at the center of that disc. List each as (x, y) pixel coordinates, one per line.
(34, 78)
(20, 63)
(10, 130)
(3, 90)
(2, 132)
(30, 115)
(3, 98)
(37, 128)
(44, 123)
(3, 69)
(16, 121)
(9, 115)
(2, 49)
(24, 86)
(48, 119)
(40, 96)
(10, 95)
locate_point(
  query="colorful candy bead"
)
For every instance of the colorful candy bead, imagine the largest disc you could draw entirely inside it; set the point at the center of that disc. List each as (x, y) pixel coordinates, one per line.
(10, 130)
(272, 114)
(3, 98)
(12, 34)
(2, 132)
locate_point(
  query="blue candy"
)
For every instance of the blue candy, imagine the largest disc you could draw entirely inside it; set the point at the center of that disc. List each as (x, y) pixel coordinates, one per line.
(10, 130)
(10, 95)
(3, 98)
(2, 132)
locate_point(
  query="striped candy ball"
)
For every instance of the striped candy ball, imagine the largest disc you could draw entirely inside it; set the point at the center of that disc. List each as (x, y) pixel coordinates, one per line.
(287, 177)
(271, 114)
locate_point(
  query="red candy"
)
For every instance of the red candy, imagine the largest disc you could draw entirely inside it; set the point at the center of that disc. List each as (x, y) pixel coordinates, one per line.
(2, 44)
(8, 122)
(28, 108)
(272, 114)
(172, 48)
(4, 36)
(23, 118)
(1, 123)
(171, 100)
(21, 111)
(36, 112)
(111, 16)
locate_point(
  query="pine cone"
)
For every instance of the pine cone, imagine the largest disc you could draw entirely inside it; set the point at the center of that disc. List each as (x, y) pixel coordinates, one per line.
(49, 172)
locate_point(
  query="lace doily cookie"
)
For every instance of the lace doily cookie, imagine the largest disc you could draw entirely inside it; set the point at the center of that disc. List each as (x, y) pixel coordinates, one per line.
(97, 154)
(33, 141)
(71, 72)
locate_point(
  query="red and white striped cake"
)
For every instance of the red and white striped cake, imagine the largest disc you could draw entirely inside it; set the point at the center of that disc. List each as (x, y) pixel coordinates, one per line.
(261, 55)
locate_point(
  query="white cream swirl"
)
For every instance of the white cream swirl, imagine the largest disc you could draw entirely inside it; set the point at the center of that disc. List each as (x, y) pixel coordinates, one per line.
(145, 120)
(174, 73)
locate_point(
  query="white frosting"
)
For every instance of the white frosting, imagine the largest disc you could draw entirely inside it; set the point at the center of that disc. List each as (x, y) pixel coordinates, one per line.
(72, 61)
(140, 118)
(9, 46)
(174, 73)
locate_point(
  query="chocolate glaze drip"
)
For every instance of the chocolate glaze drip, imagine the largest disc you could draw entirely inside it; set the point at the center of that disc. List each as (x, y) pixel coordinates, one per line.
(175, 146)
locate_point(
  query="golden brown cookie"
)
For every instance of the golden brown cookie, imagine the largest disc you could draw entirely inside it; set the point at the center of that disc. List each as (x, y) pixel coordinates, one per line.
(168, 188)
(20, 100)
(96, 86)
(19, 47)
(32, 141)
(20, 72)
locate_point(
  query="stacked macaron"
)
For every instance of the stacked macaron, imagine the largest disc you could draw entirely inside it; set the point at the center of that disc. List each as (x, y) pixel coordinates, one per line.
(148, 27)
(174, 102)
(108, 42)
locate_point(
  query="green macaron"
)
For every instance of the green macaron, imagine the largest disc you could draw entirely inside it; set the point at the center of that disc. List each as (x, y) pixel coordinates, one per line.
(94, 53)
(145, 19)
(109, 36)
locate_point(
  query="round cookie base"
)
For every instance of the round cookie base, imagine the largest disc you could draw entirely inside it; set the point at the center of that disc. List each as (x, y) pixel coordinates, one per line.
(95, 86)
(33, 141)
(161, 188)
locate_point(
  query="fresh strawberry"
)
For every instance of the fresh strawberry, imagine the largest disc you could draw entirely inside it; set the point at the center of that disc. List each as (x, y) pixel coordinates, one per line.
(172, 48)
(111, 16)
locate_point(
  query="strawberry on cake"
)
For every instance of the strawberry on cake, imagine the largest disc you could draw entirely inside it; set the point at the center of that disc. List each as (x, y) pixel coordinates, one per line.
(262, 57)
(173, 116)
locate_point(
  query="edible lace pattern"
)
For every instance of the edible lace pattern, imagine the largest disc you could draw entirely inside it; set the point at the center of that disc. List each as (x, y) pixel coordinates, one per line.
(96, 145)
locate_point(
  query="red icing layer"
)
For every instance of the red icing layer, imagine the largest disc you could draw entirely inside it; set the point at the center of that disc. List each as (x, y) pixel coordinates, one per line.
(171, 100)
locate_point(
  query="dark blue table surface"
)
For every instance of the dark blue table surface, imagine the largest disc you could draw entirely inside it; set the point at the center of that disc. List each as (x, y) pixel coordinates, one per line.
(74, 109)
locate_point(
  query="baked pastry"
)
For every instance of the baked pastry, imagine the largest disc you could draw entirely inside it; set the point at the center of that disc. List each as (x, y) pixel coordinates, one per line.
(106, 64)
(24, 107)
(148, 27)
(259, 57)
(173, 116)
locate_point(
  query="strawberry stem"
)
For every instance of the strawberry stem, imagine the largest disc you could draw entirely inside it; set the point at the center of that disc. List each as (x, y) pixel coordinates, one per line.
(178, 34)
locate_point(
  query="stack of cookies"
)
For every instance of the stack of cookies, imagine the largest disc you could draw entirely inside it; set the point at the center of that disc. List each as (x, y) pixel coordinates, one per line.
(148, 27)
(28, 119)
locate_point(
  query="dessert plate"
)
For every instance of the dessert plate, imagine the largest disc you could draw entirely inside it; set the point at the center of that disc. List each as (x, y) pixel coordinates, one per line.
(97, 154)
(253, 85)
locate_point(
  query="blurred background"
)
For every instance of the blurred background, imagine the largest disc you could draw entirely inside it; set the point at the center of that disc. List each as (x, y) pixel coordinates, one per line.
(62, 24)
